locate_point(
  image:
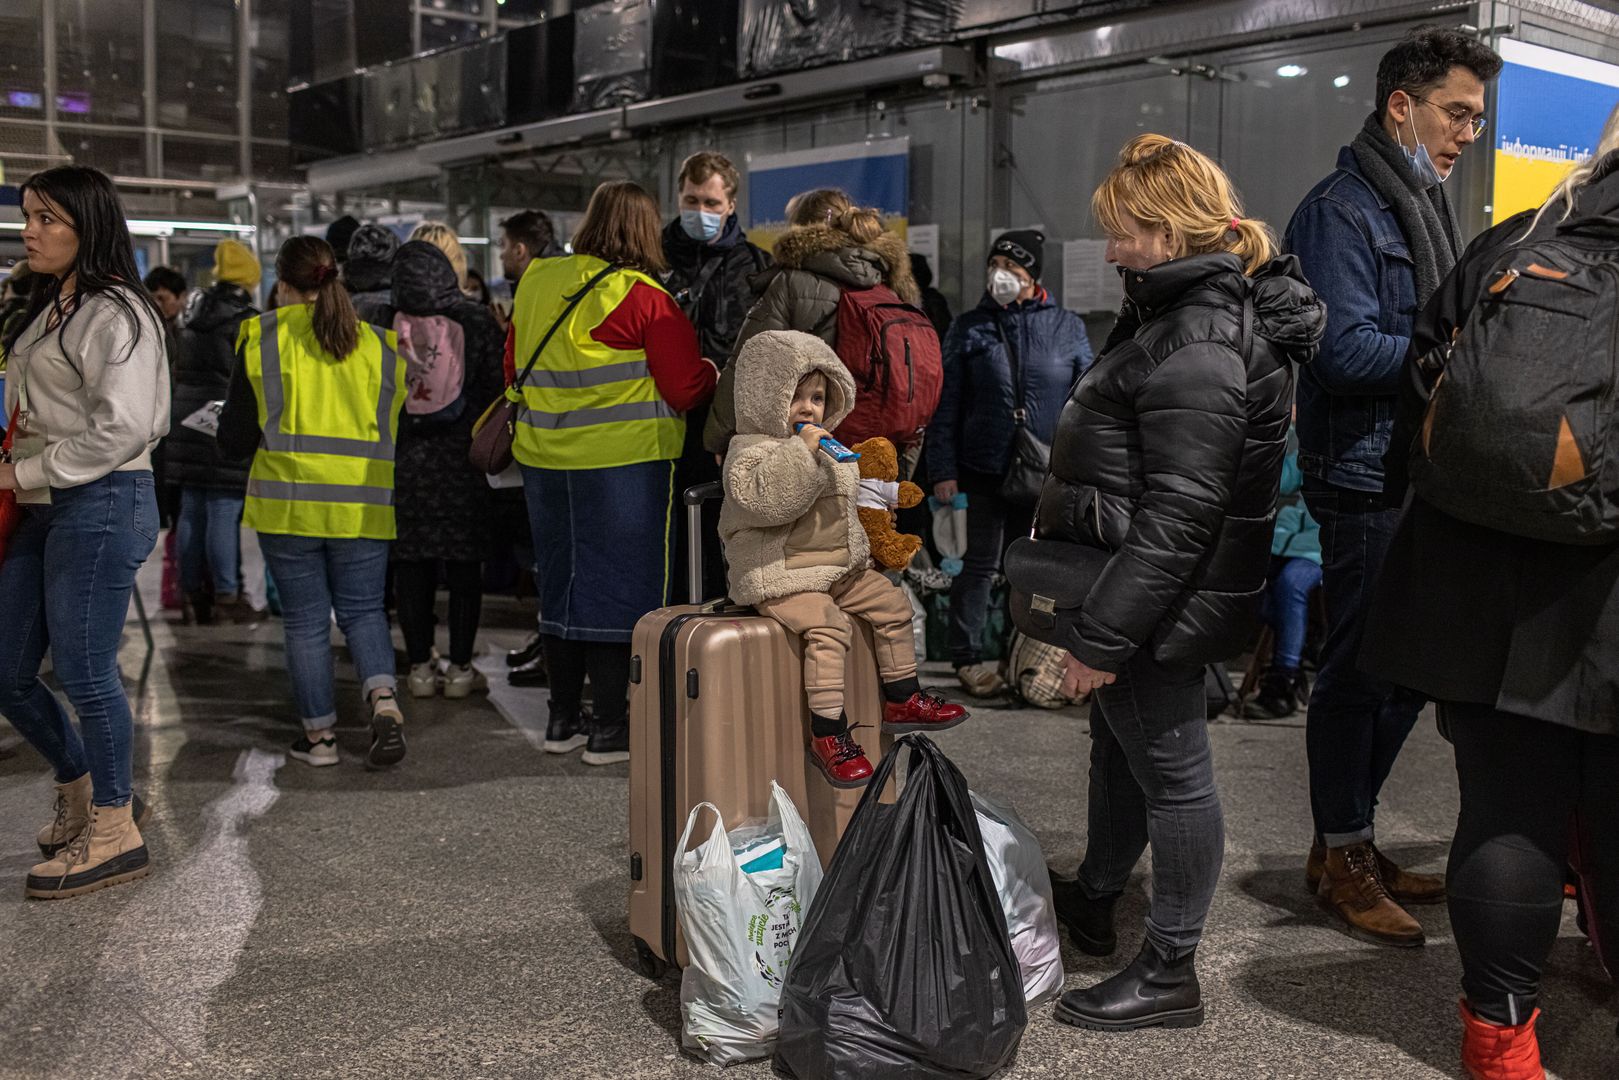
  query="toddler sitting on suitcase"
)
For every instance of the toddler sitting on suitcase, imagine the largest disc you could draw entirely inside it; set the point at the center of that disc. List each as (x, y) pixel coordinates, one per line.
(797, 551)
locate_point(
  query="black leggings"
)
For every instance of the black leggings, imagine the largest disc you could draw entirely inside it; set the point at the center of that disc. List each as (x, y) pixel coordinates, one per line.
(608, 665)
(1522, 781)
(415, 584)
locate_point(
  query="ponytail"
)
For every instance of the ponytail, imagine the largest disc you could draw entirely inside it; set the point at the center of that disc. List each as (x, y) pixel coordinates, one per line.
(307, 264)
(863, 224)
(1253, 242)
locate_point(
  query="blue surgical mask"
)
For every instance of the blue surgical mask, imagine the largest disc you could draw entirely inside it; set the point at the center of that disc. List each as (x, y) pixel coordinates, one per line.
(702, 225)
(1420, 161)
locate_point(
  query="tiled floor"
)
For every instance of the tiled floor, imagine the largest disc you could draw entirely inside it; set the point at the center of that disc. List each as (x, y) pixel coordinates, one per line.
(464, 916)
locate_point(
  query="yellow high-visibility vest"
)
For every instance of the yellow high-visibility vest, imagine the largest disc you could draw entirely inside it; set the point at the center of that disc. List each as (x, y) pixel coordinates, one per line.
(326, 467)
(585, 405)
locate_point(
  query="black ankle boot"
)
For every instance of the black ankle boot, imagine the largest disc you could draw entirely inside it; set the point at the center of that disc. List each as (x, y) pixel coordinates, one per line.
(1277, 699)
(1151, 992)
(1089, 922)
(609, 742)
(566, 729)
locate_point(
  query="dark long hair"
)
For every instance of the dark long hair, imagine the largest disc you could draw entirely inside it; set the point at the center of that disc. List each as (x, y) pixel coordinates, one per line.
(308, 264)
(105, 263)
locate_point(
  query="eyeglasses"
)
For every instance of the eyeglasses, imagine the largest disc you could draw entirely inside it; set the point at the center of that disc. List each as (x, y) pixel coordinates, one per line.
(1460, 119)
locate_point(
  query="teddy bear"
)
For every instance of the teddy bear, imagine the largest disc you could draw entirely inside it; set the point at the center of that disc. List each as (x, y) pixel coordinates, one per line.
(881, 493)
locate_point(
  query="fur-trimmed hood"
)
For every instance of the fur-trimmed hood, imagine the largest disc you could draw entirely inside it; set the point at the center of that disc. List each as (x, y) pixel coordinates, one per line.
(768, 371)
(833, 253)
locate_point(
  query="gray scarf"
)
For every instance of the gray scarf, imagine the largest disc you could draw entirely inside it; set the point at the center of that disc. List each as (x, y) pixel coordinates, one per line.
(1425, 217)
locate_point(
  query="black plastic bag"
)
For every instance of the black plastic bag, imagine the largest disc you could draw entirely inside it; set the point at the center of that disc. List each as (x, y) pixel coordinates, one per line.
(903, 968)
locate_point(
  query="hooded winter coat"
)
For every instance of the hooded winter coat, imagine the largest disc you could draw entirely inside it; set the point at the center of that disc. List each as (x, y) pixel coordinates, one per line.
(788, 520)
(814, 264)
(440, 500)
(202, 368)
(1169, 453)
(369, 284)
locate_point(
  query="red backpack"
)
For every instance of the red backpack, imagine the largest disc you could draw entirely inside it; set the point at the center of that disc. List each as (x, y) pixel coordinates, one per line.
(892, 351)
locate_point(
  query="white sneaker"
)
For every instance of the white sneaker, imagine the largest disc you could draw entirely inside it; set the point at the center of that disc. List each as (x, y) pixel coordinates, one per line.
(423, 680)
(460, 682)
(323, 752)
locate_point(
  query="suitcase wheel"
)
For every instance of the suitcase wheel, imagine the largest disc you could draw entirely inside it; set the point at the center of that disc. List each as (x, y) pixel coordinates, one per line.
(647, 962)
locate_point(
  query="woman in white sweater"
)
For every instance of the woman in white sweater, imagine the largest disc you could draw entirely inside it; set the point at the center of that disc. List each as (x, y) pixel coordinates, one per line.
(88, 388)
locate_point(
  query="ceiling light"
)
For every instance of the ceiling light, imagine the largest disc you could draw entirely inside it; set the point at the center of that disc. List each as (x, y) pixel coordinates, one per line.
(1341, 81)
(1292, 71)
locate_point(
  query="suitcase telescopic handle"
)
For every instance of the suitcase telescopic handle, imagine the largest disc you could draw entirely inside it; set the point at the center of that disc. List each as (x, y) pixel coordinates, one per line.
(695, 497)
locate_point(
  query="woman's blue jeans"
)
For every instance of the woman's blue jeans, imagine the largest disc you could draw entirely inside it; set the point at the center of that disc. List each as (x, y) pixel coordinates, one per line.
(209, 535)
(1287, 609)
(315, 578)
(65, 586)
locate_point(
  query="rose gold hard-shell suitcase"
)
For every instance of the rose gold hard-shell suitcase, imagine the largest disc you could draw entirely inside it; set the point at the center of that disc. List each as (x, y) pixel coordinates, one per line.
(717, 711)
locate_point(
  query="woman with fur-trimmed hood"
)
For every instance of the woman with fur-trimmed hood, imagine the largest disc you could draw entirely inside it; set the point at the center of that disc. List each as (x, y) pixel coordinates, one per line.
(797, 551)
(831, 246)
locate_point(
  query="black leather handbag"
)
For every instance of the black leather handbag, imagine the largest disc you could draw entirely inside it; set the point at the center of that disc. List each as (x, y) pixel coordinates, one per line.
(1049, 581)
(1031, 458)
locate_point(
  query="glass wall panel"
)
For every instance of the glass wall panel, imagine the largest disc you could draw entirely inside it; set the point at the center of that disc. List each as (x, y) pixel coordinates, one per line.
(459, 7)
(196, 61)
(201, 159)
(119, 155)
(442, 33)
(100, 76)
(268, 45)
(22, 62)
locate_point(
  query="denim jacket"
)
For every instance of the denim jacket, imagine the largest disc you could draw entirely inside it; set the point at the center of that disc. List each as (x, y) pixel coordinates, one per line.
(1356, 258)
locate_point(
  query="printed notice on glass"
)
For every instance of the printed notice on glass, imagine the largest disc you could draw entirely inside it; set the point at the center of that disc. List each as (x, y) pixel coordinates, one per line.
(923, 240)
(1088, 282)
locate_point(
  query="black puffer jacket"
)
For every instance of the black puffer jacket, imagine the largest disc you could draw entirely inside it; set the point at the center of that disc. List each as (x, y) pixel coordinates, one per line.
(1169, 453)
(441, 502)
(202, 367)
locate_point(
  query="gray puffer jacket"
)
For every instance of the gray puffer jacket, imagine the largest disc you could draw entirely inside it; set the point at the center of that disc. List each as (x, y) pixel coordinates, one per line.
(814, 264)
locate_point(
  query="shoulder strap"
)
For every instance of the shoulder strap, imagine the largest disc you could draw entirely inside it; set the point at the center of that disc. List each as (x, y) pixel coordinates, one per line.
(1018, 412)
(573, 302)
(704, 276)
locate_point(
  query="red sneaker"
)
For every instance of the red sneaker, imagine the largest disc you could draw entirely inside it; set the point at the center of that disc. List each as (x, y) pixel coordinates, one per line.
(840, 760)
(1490, 1052)
(921, 712)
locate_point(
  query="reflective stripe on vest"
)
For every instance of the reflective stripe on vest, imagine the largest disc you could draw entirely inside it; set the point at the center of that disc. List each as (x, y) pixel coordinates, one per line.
(326, 466)
(586, 405)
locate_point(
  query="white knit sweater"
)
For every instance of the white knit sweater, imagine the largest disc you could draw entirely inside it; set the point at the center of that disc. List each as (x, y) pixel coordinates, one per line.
(104, 412)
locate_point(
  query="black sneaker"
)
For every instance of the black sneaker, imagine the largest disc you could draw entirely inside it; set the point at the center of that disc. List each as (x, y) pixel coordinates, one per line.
(566, 730)
(530, 673)
(321, 752)
(608, 745)
(387, 734)
(527, 652)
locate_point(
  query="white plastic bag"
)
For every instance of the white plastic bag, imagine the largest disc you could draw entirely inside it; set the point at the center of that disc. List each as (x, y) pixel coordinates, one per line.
(740, 930)
(919, 622)
(950, 532)
(1024, 885)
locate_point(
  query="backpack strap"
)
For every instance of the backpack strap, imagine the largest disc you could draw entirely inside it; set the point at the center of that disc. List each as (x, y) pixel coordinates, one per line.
(573, 302)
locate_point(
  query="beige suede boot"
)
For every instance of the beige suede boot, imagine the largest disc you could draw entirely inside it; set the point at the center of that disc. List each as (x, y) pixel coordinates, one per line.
(109, 852)
(72, 816)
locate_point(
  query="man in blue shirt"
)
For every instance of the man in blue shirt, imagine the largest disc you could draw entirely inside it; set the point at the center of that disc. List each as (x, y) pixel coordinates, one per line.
(1375, 237)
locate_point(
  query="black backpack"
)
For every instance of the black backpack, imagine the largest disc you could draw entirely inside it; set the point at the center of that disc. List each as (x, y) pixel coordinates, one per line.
(1519, 434)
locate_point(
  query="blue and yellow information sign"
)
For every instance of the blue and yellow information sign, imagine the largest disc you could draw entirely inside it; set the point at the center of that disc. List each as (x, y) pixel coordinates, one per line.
(875, 174)
(1550, 110)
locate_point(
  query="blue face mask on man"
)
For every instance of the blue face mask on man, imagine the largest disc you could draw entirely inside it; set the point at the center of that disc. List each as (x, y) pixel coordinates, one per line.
(1420, 160)
(702, 225)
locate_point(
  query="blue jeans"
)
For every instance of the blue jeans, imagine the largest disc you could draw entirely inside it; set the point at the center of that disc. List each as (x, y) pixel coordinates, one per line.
(65, 586)
(1152, 780)
(992, 525)
(208, 533)
(316, 577)
(1356, 723)
(1287, 609)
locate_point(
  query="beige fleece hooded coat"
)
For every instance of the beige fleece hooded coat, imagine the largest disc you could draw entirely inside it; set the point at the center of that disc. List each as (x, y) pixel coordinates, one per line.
(788, 521)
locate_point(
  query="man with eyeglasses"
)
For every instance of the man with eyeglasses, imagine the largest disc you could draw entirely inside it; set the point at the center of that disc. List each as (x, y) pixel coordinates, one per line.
(1375, 237)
